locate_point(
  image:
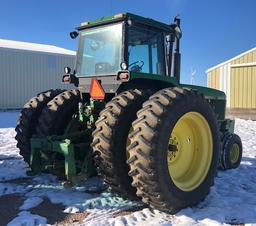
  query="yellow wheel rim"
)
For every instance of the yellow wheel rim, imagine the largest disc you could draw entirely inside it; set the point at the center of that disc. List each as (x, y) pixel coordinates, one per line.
(234, 153)
(190, 151)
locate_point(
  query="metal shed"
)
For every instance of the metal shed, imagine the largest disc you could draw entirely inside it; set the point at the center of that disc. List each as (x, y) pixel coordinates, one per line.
(29, 68)
(237, 78)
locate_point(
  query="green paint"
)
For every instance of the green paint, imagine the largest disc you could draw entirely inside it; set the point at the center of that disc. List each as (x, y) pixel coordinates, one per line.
(133, 17)
(147, 76)
(208, 92)
(227, 125)
(64, 147)
(73, 145)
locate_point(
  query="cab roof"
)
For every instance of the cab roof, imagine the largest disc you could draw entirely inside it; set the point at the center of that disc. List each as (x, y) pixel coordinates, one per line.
(126, 16)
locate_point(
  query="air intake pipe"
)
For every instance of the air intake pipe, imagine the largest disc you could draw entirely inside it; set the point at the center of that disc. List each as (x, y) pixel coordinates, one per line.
(176, 54)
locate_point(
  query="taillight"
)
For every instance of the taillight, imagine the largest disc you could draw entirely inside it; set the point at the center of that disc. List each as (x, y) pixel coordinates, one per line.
(66, 79)
(123, 75)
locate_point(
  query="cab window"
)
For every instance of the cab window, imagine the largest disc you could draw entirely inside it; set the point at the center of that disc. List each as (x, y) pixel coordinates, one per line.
(146, 50)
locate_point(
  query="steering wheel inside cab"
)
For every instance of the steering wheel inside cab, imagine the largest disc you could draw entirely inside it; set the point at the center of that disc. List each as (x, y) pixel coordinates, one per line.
(136, 66)
(103, 67)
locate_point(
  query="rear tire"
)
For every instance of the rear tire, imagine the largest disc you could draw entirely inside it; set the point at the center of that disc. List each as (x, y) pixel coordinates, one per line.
(28, 120)
(153, 144)
(110, 140)
(54, 120)
(232, 151)
(58, 113)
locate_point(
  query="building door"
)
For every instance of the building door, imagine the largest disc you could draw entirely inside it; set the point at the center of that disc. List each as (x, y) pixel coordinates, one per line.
(243, 87)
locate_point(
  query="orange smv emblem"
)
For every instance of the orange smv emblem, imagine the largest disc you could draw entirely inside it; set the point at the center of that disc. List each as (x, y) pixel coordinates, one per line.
(96, 91)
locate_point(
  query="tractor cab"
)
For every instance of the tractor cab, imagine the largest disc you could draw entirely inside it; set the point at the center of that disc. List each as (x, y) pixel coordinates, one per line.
(119, 48)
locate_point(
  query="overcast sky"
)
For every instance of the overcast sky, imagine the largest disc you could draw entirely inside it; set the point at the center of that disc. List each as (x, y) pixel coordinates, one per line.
(213, 31)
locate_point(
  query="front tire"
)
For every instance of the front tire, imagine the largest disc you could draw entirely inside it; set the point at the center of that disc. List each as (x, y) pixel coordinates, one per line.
(232, 151)
(174, 149)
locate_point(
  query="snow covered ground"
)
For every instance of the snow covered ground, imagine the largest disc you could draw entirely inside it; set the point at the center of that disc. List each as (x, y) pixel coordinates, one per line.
(232, 199)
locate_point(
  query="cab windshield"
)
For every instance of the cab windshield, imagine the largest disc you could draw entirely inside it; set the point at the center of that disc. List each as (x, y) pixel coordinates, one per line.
(100, 51)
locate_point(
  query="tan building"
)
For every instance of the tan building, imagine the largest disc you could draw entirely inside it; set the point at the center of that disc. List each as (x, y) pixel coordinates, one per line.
(237, 78)
(29, 68)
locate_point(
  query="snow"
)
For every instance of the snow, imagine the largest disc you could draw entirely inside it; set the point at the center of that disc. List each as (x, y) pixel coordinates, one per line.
(232, 200)
(143, 217)
(17, 45)
(27, 219)
(30, 203)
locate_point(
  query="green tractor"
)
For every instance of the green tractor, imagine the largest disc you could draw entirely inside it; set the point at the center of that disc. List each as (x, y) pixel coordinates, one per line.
(130, 119)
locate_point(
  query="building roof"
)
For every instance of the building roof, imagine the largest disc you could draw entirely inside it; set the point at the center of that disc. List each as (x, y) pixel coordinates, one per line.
(228, 61)
(10, 44)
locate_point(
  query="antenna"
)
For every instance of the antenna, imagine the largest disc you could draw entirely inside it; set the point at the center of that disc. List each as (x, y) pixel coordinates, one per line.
(192, 76)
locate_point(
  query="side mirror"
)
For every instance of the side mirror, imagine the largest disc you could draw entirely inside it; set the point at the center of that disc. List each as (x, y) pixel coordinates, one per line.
(73, 34)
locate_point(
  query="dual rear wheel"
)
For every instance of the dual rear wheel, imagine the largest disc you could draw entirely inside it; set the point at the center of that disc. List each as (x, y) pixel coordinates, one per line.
(28, 120)
(172, 153)
(49, 113)
(110, 140)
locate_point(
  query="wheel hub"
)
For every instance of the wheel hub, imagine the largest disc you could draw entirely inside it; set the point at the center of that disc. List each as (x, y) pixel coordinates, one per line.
(190, 151)
(173, 148)
(234, 153)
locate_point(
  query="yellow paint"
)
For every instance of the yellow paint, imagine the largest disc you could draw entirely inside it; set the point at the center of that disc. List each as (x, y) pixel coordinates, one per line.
(243, 87)
(190, 151)
(248, 58)
(253, 100)
(254, 56)
(242, 81)
(234, 153)
(214, 79)
(249, 86)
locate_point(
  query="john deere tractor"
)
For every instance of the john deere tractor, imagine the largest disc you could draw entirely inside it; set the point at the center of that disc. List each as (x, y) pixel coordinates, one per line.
(130, 119)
